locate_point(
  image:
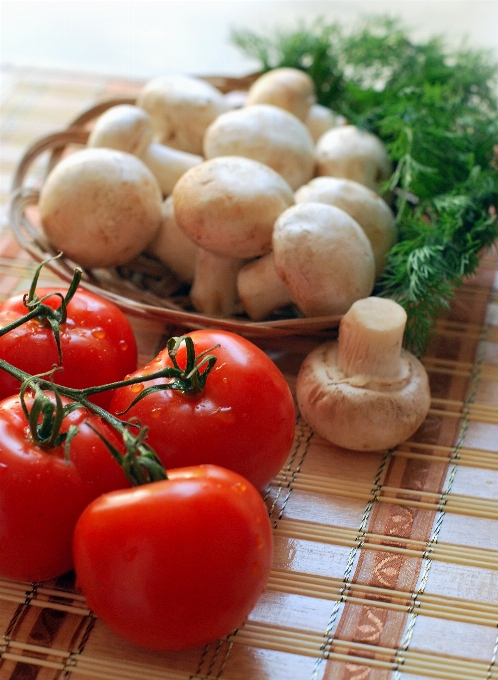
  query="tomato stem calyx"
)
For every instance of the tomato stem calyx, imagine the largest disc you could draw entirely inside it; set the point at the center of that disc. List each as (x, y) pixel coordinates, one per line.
(189, 380)
(140, 463)
(47, 433)
(37, 309)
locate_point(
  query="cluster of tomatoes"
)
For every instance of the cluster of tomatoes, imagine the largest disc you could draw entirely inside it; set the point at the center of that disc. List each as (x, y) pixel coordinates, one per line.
(168, 564)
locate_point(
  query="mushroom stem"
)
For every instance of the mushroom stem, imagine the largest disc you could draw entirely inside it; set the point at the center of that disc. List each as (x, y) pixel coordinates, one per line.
(172, 246)
(168, 164)
(371, 338)
(214, 290)
(128, 128)
(261, 289)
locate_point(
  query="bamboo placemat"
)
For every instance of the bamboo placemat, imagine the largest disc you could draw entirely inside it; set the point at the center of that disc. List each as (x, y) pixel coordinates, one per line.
(386, 564)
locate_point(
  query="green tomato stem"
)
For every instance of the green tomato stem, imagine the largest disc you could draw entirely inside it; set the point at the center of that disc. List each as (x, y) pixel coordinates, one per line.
(140, 463)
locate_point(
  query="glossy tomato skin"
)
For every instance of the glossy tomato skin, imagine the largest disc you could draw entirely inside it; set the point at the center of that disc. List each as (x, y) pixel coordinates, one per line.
(243, 420)
(178, 563)
(97, 341)
(42, 495)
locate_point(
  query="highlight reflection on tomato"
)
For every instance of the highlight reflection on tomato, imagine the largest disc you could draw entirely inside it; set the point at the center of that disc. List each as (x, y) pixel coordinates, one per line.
(243, 419)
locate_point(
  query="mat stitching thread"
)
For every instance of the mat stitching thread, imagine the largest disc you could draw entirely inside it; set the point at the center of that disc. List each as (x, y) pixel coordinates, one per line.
(71, 660)
(326, 647)
(493, 661)
(30, 594)
(431, 543)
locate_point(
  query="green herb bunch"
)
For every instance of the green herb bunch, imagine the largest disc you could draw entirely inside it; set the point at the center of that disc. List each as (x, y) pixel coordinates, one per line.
(437, 112)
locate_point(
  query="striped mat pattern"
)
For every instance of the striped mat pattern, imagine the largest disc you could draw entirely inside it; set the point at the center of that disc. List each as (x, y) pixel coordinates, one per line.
(386, 564)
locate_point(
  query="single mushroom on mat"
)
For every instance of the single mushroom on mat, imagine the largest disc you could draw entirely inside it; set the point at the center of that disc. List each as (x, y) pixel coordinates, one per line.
(365, 206)
(181, 108)
(352, 153)
(100, 207)
(128, 128)
(267, 134)
(227, 206)
(364, 391)
(288, 88)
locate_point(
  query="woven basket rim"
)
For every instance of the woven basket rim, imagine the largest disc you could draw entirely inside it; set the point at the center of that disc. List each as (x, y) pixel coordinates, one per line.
(109, 284)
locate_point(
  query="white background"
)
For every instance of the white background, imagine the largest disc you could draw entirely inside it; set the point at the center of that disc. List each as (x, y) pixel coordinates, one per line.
(143, 39)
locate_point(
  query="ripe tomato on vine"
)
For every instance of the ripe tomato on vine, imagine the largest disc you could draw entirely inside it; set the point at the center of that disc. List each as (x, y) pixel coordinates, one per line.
(242, 419)
(97, 342)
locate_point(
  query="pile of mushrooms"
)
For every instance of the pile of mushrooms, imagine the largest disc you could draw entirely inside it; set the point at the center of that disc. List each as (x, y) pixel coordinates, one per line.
(243, 196)
(258, 200)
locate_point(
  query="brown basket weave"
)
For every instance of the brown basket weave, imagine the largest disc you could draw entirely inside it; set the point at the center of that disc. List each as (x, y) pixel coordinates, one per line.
(144, 286)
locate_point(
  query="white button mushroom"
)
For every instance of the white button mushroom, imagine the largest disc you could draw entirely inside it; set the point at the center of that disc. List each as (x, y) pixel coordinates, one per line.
(266, 134)
(227, 206)
(320, 119)
(181, 107)
(128, 128)
(100, 207)
(172, 246)
(323, 257)
(365, 392)
(288, 88)
(365, 206)
(321, 261)
(354, 154)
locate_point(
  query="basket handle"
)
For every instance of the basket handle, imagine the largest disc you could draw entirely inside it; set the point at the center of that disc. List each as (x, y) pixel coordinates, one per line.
(57, 140)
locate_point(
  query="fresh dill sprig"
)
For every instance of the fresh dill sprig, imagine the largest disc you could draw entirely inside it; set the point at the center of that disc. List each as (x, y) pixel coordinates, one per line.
(437, 112)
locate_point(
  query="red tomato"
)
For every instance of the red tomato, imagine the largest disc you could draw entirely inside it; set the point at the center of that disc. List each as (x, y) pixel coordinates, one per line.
(97, 341)
(42, 495)
(243, 419)
(176, 563)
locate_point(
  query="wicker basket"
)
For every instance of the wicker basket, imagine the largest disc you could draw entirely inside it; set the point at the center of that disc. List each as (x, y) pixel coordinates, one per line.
(144, 286)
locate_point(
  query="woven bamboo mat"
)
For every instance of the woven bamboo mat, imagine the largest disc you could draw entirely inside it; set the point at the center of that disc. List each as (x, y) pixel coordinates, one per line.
(386, 565)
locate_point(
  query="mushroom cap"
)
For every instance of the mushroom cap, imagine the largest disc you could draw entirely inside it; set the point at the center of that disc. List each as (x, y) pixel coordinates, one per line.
(352, 153)
(320, 119)
(365, 206)
(288, 88)
(100, 207)
(181, 108)
(267, 134)
(123, 127)
(368, 417)
(324, 258)
(228, 205)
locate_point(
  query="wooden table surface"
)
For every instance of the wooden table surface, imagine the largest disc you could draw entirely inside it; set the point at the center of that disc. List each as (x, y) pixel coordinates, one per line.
(386, 564)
